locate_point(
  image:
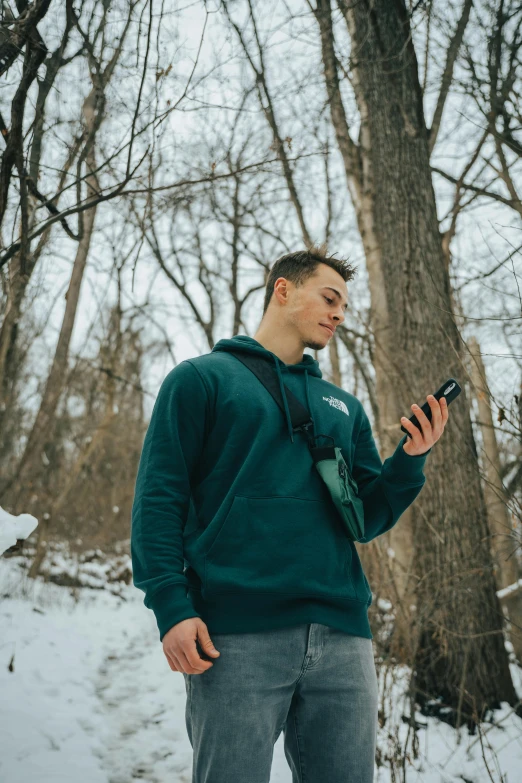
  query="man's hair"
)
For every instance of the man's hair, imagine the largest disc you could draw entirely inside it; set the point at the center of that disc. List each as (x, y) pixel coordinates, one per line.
(301, 265)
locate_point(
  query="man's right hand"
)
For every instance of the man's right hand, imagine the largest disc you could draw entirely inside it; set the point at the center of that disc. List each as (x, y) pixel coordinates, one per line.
(179, 646)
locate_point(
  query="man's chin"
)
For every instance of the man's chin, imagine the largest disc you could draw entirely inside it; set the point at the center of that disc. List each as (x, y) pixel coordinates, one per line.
(314, 345)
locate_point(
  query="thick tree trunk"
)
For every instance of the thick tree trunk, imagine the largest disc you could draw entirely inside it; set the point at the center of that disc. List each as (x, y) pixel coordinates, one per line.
(387, 561)
(460, 656)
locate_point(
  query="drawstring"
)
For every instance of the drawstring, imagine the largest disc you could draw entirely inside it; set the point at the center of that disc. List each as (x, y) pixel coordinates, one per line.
(309, 404)
(287, 411)
(285, 401)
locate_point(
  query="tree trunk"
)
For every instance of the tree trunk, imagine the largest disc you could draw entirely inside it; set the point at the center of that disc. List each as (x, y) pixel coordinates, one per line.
(85, 456)
(503, 543)
(34, 455)
(387, 560)
(18, 282)
(333, 349)
(460, 659)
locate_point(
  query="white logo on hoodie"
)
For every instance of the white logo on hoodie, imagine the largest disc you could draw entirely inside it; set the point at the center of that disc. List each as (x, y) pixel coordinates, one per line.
(337, 404)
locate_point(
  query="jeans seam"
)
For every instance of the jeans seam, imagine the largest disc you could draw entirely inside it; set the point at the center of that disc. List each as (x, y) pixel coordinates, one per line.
(189, 696)
(301, 776)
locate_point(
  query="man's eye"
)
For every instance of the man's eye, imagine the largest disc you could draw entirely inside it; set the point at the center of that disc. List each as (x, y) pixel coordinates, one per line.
(328, 299)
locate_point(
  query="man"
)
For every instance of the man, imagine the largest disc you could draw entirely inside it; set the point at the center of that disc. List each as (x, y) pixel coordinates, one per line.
(226, 486)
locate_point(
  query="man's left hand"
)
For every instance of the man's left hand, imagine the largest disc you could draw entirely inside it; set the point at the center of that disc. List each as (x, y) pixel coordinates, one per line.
(420, 442)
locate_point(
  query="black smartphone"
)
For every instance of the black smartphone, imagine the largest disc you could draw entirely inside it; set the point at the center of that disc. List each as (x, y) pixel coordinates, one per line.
(450, 390)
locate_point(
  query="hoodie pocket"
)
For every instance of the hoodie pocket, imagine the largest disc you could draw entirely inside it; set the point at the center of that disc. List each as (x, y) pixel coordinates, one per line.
(280, 545)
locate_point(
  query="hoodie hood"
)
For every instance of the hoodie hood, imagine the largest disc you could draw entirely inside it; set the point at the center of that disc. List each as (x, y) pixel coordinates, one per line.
(308, 365)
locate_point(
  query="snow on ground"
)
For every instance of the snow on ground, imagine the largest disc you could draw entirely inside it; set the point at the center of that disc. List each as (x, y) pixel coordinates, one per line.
(88, 697)
(13, 528)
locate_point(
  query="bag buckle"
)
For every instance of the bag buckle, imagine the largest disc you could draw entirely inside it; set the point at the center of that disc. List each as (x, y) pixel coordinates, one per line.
(304, 428)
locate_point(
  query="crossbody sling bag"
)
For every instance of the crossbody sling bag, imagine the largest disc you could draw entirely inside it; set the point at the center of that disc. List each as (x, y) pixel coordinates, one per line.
(328, 460)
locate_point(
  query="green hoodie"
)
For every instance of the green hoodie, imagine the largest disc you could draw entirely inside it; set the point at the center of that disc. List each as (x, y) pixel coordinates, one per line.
(231, 521)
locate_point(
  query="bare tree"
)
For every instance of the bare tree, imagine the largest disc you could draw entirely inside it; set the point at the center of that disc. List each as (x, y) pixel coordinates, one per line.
(93, 112)
(23, 264)
(17, 31)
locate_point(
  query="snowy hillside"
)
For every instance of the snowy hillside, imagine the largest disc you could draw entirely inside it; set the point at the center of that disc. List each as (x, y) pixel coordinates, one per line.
(87, 695)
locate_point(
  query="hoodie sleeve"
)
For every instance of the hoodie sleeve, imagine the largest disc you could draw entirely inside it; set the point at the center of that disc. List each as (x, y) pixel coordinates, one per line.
(386, 489)
(173, 444)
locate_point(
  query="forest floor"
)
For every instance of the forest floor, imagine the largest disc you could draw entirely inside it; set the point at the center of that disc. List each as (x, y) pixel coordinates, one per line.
(88, 697)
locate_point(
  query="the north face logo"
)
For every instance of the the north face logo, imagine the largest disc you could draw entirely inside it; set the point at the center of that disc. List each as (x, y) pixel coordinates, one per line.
(337, 404)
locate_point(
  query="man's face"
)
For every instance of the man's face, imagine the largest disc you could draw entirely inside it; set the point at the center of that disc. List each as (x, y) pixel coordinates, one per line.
(314, 306)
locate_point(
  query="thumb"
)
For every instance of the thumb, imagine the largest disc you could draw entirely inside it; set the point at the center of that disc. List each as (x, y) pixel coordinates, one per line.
(205, 641)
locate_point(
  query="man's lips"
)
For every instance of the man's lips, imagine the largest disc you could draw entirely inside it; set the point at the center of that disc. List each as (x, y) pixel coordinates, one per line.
(328, 327)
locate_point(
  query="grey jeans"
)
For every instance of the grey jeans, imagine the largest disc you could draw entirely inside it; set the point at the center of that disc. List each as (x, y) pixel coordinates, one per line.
(314, 682)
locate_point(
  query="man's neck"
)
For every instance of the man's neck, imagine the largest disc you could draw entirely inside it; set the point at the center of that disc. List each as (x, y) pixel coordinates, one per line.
(288, 348)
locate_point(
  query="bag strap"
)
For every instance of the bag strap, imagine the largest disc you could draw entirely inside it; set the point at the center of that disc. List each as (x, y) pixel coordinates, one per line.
(299, 415)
